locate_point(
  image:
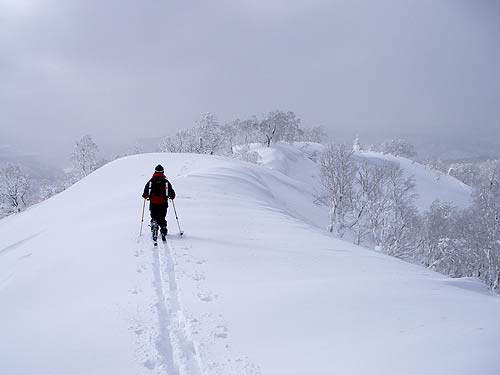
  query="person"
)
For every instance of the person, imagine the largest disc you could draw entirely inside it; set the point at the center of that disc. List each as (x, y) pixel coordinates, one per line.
(158, 189)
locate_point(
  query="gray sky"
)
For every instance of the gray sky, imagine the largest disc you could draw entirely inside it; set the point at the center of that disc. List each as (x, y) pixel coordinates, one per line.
(123, 69)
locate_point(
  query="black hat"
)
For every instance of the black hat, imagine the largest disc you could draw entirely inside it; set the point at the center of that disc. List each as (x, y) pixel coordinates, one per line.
(159, 169)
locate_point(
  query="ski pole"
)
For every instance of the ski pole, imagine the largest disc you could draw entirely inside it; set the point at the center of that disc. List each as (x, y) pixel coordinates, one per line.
(177, 218)
(142, 218)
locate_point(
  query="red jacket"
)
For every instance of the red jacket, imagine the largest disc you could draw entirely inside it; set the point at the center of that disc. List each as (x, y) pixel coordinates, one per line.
(158, 189)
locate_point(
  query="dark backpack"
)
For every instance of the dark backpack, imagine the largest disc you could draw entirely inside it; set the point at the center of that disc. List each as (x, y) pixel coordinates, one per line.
(158, 190)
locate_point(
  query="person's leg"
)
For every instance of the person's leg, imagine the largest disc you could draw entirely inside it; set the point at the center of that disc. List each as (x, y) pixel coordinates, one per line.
(162, 222)
(155, 216)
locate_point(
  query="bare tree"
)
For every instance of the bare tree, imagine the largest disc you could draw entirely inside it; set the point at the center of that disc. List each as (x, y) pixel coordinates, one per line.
(14, 188)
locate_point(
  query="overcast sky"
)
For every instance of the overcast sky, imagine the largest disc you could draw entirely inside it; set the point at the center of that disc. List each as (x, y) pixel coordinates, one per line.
(123, 69)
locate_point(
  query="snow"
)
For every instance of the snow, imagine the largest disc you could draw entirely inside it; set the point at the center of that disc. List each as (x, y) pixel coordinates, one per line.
(431, 185)
(256, 286)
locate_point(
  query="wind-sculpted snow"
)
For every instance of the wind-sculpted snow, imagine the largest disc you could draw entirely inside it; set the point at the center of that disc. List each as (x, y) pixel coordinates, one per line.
(256, 286)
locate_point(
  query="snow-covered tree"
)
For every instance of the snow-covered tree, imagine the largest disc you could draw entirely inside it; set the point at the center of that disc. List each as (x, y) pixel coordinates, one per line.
(438, 226)
(337, 171)
(475, 174)
(367, 202)
(315, 134)
(396, 237)
(14, 188)
(84, 156)
(246, 131)
(485, 220)
(209, 133)
(183, 141)
(356, 145)
(280, 126)
(375, 204)
(465, 243)
(383, 206)
(398, 147)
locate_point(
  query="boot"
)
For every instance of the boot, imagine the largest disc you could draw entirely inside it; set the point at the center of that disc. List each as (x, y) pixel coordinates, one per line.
(154, 230)
(164, 232)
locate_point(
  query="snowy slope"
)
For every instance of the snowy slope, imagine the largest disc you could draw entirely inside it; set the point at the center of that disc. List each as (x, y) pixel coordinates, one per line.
(255, 287)
(430, 184)
(297, 161)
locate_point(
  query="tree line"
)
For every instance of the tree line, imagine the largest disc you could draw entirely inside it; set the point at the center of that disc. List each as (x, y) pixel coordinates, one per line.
(209, 136)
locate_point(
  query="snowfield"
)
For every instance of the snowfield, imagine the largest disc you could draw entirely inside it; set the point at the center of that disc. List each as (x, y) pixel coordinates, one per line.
(256, 285)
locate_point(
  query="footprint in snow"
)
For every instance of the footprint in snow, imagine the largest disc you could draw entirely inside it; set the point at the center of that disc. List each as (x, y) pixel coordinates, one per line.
(198, 277)
(207, 296)
(149, 364)
(221, 332)
(138, 331)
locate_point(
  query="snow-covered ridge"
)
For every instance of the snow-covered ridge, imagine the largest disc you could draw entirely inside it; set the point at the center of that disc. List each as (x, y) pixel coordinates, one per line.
(255, 287)
(297, 161)
(431, 185)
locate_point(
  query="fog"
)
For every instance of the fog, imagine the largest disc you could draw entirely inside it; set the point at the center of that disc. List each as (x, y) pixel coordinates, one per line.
(123, 70)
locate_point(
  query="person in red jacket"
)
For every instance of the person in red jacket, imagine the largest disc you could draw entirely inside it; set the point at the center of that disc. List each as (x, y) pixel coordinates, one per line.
(158, 189)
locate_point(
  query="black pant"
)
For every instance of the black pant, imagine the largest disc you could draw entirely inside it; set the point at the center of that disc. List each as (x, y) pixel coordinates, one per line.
(158, 214)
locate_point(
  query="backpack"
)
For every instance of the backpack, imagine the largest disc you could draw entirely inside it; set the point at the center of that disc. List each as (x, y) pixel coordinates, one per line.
(158, 191)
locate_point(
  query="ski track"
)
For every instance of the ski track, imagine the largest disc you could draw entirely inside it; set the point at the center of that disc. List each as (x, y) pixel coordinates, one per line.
(176, 350)
(18, 243)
